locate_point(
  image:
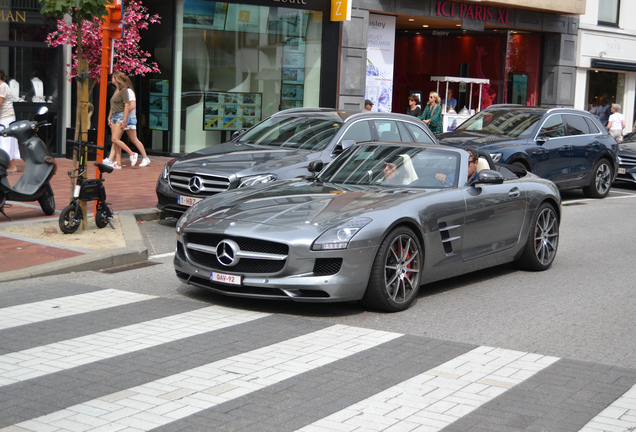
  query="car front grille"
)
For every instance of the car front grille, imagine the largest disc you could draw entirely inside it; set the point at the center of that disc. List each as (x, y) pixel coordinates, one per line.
(197, 184)
(209, 260)
(627, 161)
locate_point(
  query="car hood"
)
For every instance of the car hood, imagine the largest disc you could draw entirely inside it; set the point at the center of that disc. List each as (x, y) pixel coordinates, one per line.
(295, 204)
(242, 159)
(627, 148)
(478, 140)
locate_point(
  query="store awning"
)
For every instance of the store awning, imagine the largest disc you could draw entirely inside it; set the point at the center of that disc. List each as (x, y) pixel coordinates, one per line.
(614, 65)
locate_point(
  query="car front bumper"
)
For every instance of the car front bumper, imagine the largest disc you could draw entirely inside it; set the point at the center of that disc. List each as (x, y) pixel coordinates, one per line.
(297, 281)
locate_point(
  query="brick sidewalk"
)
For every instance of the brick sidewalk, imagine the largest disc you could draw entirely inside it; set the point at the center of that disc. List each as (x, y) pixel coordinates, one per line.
(130, 188)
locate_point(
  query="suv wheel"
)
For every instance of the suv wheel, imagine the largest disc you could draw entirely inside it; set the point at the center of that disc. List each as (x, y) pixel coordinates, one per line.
(601, 180)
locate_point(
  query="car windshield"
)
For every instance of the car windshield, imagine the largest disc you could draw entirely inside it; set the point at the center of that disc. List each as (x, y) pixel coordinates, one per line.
(502, 122)
(296, 132)
(394, 166)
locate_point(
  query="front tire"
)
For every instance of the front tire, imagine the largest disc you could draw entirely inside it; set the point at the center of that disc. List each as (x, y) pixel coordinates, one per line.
(70, 219)
(395, 275)
(47, 200)
(102, 216)
(601, 180)
(543, 240)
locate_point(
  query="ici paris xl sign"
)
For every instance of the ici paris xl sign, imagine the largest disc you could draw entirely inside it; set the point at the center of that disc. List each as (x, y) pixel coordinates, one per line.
(489, 14)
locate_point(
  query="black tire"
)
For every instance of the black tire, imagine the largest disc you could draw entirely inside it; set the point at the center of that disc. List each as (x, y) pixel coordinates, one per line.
(102, 216)
(521, 165)
(542, 241)
(395, 276)
(70, 220)
(601, 181)
(47, 201)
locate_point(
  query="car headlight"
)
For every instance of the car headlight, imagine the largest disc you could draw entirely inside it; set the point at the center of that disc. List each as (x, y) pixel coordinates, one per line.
(251, 181)
(339, 236)
(496, 157)
(166, 169)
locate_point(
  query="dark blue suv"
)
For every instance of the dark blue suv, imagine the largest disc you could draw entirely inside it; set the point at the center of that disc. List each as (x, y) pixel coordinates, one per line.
(570, 147)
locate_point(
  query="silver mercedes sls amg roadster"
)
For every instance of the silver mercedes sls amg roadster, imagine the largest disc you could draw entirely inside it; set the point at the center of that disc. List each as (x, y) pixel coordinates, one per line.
(374, 225)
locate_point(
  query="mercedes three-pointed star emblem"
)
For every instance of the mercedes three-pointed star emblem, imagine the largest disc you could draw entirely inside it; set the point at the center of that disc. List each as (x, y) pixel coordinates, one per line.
(227, 253)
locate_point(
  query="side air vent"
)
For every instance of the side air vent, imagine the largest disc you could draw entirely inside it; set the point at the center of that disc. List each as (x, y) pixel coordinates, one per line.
(447, 238)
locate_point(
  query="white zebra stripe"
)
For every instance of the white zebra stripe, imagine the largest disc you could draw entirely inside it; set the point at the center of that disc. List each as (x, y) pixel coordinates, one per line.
(35, 362)
(440, 396)
(168, 399)
(619, 416)
(31, 313)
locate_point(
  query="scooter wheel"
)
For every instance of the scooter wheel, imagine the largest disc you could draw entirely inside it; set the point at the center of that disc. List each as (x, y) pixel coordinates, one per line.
(70, 219)
(47, 201)
(102, 216)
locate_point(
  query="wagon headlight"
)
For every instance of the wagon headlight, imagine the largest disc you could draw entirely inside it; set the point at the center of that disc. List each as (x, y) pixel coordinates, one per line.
(251, 181)
(339, 236)
(166, 169)
(496, 157)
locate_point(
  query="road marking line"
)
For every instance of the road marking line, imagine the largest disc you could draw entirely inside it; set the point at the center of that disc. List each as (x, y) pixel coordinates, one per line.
(47, 359)
(619, 416)
(30, 313)
(440, 396)
(174, 397)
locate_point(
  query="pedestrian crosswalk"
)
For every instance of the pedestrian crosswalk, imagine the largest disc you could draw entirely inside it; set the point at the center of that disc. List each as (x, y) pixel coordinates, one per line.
(92, 359)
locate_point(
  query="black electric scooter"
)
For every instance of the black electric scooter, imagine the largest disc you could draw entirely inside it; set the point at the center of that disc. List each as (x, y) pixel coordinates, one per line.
(40, 167)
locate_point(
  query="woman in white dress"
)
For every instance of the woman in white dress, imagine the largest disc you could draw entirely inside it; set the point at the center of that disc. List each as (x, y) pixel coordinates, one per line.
(7, 116)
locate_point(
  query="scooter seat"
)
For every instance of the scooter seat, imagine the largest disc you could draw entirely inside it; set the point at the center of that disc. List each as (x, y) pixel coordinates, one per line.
(104, 168)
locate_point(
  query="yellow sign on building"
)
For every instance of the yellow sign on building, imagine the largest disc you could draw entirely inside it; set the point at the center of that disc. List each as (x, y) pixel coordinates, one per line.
(341, 10)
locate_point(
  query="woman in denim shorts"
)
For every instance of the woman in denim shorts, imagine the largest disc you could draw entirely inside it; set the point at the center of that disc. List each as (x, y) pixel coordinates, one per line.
(123, 118)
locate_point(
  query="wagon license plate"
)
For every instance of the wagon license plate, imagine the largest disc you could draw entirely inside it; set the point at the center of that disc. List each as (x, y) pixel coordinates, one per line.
(622, 171)
(226, 278)
(187, 201)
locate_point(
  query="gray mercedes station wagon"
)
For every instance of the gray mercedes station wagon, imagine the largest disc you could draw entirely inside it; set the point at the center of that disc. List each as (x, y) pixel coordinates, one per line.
(279, 147)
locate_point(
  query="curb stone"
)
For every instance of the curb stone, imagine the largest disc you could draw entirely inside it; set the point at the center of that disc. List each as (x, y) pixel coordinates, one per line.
(134, 252)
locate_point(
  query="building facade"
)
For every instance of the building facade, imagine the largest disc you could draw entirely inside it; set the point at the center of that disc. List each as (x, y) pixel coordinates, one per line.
(225, 66)
(606, 57)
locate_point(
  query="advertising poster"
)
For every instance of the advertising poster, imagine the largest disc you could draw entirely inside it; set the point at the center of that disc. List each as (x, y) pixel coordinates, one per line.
(231, 111)
(158, 104)
(380, 61)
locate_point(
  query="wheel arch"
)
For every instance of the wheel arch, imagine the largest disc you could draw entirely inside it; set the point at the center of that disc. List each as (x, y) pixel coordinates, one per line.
(520, 158)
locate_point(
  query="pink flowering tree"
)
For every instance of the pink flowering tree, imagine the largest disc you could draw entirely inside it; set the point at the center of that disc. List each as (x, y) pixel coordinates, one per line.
(82, 33)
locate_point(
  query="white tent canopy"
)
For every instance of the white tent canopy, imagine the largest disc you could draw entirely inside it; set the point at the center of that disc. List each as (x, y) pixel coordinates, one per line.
(471, 81)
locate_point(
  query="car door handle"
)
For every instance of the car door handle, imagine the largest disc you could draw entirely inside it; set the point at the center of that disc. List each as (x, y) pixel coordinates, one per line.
(566, 148)
(514, 193)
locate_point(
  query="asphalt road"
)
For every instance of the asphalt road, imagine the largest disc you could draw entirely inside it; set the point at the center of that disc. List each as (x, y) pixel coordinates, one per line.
(581, 308)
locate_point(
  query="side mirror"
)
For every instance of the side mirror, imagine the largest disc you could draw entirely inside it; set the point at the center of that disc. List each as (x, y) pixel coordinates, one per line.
(343, 145)
(490, 177)
(542, 140)
(238, 133)
(315, 167)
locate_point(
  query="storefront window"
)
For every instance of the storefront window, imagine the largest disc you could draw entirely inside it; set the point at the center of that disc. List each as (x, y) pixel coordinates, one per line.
(603, 89)
(242, 63)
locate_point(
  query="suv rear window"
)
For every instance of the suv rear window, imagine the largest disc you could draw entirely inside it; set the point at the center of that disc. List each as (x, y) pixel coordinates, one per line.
(576, 125)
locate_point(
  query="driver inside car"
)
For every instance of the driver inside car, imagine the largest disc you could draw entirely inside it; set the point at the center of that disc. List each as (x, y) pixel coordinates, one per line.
(472, 170)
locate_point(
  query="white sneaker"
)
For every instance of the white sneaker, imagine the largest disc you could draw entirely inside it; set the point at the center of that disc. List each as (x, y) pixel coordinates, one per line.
(116, 165)
(107, 161)
(144, 162)
(133, 159)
